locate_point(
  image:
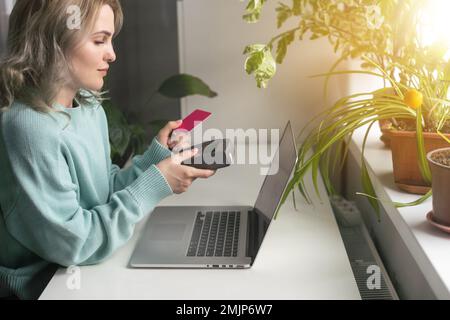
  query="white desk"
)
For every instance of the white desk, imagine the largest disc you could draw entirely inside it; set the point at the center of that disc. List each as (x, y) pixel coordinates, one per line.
(302, 257)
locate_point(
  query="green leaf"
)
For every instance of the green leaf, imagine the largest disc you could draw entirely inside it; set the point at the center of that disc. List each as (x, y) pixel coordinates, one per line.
(336, 46)
(254, 48)
(183, 85)
(260, 62)
(114, 115)
(423, 163)
(254, 61)
(138, 138)
(315, 174)
(119, 136)
(443, 136)
(283, 44)
(365, 178)
(253, 10)
(297, 7)
(283, 13)
(369, 189)
(414, 203)
(304, 192)
(123, 135)
(421, 200)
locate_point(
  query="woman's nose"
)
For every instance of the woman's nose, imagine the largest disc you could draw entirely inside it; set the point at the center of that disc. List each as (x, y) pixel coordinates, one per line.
(111, 55)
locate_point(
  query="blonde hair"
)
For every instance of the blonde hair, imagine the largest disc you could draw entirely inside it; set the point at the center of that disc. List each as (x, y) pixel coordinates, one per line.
(39, 42)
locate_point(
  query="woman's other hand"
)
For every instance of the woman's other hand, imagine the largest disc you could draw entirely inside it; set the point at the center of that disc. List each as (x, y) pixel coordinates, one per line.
(174, 140)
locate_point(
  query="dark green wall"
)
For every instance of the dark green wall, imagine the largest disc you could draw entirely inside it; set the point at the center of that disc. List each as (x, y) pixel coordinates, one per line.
(147, 53)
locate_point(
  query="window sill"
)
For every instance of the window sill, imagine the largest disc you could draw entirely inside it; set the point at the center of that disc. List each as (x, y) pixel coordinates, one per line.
(428, 247)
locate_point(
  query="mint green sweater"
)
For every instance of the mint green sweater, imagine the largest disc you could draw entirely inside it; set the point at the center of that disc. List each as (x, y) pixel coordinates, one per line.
(62, 201)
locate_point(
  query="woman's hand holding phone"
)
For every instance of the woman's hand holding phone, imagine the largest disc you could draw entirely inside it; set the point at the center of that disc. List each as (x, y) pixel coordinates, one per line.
(178, 176)
(176, 137)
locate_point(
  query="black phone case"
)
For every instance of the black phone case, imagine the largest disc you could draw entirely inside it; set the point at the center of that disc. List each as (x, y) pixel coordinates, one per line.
(200, 161)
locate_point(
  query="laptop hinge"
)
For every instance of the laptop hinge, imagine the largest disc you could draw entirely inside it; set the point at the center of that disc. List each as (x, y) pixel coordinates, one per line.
(252, 222)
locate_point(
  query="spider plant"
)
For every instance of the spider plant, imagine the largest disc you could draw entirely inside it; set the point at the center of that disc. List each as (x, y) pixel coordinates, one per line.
(325, 144)
(383, 34)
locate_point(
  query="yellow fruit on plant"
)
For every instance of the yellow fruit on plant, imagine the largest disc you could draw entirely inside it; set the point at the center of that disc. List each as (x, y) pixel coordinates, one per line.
(413, 99)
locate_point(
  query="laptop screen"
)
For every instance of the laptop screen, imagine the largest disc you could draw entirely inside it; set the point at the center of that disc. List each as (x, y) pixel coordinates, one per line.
(272, 190)
(278, 175)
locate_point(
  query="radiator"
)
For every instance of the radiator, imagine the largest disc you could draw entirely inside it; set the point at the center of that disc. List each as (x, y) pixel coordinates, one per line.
(368, 269)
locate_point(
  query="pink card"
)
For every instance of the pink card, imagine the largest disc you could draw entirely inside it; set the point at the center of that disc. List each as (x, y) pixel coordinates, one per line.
(194, 119)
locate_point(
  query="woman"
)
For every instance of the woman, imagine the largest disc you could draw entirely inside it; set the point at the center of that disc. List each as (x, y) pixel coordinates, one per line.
(62, 200)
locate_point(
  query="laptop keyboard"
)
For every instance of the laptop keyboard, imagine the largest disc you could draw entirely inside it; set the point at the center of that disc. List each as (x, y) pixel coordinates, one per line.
(215, 234)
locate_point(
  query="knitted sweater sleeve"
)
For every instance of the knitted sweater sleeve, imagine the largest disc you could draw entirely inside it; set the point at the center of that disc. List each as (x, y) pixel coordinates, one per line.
(47, 218)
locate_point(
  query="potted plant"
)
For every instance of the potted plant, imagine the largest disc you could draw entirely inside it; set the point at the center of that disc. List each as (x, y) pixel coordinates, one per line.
(128, 138)
(440, 167)
(379, 34)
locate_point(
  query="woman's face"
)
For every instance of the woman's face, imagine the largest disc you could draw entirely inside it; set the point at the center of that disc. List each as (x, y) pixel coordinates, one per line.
(90, 60)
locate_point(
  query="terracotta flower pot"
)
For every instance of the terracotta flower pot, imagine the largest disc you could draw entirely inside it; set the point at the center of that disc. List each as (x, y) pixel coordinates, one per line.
(385, 127)
(439, 161)
(405, 159)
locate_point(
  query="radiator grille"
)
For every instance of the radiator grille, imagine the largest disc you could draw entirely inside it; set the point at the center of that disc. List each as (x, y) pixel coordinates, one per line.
(371, 277)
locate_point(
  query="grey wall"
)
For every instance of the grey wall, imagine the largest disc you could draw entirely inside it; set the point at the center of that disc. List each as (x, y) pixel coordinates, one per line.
(147, 53)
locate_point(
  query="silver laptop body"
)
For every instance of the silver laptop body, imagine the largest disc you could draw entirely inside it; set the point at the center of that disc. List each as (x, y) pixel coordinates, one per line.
(215, 236)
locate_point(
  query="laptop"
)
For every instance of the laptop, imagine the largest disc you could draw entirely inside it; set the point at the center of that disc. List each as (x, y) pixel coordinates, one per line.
(216, 236)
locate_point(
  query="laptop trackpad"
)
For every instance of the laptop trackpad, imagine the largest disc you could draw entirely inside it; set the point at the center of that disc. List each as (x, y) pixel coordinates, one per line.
(167, 231)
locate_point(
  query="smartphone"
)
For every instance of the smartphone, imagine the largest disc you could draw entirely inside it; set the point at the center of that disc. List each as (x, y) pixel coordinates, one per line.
(194, 119)
(212, 155)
